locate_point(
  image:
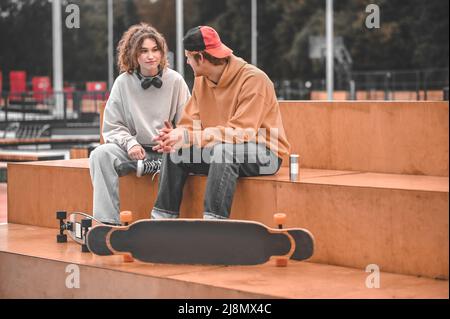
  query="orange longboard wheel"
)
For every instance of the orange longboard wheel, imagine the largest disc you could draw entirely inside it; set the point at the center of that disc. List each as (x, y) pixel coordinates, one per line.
(127, 259)
(126, 217)
(281, 261)
(279, 219)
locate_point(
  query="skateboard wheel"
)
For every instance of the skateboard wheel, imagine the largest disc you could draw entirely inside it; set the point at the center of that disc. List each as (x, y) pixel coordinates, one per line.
(281, 261)
(279, 218)
(84, 249)
(127, 259)
(86, 223)
(61, 238)
(68, 226)
(61, 215)
(126, 217)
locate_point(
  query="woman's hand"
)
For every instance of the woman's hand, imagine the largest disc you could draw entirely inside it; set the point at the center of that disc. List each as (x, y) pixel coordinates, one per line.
(137, 152)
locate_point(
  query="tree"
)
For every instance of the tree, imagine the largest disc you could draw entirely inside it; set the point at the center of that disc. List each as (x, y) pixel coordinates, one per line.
(25, 46)
(413, 34)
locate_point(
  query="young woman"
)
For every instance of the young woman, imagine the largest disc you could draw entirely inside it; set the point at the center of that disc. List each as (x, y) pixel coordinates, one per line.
(144, 95)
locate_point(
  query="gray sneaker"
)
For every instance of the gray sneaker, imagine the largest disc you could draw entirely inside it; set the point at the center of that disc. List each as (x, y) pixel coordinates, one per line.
(146, 166)
(127, 167)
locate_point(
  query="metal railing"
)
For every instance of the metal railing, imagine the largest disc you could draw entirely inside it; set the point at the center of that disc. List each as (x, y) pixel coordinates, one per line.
(419, 83)
(35, 106)
(428, 84)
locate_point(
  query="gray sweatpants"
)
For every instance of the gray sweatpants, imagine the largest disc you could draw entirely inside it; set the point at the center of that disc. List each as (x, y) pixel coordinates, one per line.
(105, 166)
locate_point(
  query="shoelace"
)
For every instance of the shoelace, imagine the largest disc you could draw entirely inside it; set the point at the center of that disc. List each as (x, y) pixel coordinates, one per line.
(152, 167)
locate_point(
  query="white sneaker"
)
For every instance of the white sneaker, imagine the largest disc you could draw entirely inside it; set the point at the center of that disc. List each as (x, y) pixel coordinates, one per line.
(146, 166)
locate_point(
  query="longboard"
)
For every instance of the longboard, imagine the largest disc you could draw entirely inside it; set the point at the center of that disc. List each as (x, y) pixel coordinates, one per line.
(199, 241)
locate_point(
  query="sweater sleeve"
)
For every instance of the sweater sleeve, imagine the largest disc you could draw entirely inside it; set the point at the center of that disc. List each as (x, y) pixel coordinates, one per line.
(252, 108)
(115, 129)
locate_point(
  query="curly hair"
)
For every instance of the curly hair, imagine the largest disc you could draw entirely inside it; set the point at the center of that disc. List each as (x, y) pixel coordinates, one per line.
(130, 44)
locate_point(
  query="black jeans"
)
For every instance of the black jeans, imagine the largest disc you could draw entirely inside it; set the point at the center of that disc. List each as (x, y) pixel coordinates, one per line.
(223, 163)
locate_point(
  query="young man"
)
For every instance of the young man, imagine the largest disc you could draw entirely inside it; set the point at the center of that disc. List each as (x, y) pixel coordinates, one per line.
(143, 96)
(230, 127)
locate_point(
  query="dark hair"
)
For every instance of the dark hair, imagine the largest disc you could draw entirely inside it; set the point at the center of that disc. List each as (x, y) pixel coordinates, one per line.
(213, 60)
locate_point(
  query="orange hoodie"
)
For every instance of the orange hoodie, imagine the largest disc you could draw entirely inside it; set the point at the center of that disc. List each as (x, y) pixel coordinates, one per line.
(241, 107)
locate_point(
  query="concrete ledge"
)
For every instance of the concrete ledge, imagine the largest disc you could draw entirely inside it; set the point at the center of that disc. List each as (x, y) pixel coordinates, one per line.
(371, 136)
(394, 137)
(399, 222)
(33, 265)
(24, 156)
(48, 280)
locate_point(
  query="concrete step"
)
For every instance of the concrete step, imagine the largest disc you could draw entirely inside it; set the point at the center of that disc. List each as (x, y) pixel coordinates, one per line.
(33, 265)
(399, 222)
(371, 136)
(395, 137)
(24, 156)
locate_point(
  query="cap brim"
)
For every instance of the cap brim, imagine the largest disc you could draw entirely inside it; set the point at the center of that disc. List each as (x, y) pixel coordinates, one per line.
(221, 52)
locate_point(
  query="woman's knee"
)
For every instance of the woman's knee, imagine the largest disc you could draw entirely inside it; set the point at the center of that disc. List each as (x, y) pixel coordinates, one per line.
(101, 153)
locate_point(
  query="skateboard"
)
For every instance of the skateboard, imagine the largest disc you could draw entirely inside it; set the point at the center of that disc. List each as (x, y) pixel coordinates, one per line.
(199, 241)
(77, 226)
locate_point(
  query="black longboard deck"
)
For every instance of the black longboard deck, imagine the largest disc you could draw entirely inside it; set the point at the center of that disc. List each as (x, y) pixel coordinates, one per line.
(191, 241)
(96, 240)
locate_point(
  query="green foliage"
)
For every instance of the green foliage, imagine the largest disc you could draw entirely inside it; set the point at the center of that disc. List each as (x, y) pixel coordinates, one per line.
(413, 33)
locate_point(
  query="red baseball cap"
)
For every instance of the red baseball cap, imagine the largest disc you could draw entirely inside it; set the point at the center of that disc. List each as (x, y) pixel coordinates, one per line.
(205, 38)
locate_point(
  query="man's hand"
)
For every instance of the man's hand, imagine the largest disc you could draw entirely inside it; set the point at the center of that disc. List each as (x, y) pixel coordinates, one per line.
(169, 139)
(137, 152)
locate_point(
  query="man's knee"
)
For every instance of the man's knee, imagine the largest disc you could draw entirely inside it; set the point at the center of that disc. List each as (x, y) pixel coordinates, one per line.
(223, 153)
(176, 158)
